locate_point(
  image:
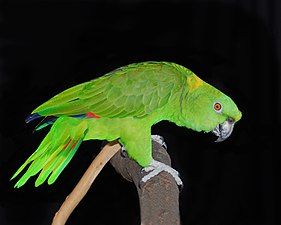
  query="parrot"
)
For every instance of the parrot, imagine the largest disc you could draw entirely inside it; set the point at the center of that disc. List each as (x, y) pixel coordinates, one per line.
(123, 105)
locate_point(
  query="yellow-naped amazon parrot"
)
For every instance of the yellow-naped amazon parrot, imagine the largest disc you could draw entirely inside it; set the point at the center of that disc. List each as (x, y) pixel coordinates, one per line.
(123, 105)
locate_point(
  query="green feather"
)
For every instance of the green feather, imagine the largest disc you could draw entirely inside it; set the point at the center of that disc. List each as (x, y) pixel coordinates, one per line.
(119, 91)
(47, 167)
(66, 156)
(55, 151)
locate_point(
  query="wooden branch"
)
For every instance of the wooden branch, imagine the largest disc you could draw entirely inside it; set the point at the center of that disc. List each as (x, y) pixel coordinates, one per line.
(85, 183)
(159, 196)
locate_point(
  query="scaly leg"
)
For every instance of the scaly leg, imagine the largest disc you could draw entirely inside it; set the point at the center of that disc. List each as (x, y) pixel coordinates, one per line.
(156, 167)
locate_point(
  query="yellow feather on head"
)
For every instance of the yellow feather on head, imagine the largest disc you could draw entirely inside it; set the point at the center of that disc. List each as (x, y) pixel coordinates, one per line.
(193, 82)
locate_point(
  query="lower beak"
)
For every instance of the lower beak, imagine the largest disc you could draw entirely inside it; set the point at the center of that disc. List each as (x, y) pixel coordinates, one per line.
(224, 130)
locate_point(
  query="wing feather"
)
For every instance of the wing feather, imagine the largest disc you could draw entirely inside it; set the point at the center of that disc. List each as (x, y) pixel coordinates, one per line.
(135, 90)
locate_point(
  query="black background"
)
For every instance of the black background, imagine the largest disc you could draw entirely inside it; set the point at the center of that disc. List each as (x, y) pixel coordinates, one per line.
(48, 46)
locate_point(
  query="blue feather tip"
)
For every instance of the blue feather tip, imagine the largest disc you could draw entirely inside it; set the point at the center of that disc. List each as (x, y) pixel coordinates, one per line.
(32, 117)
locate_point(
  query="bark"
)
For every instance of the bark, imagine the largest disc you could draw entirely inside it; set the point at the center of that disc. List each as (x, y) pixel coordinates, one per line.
(159, 196)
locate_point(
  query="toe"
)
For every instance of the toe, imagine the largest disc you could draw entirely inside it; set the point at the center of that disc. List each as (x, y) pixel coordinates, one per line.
(159, 139)
(156, 167)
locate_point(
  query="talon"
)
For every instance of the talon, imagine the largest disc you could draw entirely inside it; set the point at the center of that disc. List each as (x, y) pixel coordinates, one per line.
(124, 152)
(159, 139)
(181, 186)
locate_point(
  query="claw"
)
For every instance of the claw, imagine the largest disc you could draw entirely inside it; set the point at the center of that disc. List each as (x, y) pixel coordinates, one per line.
(124, 152)
(181, 187)
(159, 139)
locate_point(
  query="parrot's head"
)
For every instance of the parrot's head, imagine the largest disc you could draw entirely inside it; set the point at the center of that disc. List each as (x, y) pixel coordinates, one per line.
(208, 109)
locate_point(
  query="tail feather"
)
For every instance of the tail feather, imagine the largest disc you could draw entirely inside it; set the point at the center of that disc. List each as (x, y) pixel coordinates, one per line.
(55, 151)
(48, 120)
(63, 160)
(32, 117)
(39, 151)
(48, 168)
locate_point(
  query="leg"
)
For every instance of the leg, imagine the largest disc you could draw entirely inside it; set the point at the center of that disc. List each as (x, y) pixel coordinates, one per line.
(137, 145)
(154, 167)
(159, 139)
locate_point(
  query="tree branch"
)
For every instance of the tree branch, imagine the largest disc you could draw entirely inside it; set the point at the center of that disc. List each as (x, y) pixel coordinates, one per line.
(159, 196)
(85, 183)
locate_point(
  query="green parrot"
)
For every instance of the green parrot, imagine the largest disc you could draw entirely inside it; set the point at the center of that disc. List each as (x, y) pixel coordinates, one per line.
(123, 105)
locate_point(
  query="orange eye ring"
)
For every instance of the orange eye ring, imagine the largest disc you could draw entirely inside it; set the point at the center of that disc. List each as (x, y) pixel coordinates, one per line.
(217, 107)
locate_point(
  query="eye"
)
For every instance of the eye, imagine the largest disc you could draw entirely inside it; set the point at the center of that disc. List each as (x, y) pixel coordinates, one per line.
(217, 107)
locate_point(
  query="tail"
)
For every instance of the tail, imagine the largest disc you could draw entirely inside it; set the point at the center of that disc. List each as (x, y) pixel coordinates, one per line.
(54, 152)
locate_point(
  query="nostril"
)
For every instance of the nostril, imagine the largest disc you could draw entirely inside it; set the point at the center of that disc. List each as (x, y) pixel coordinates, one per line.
(230, 120)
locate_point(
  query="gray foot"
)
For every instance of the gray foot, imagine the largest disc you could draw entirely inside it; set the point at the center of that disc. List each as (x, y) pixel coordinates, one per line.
(157, 167)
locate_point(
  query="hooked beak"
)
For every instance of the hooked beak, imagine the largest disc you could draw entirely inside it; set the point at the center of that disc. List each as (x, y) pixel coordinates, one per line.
(224, 130)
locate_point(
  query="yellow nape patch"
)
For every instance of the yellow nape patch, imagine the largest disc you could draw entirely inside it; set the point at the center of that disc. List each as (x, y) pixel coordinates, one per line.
(193, 82)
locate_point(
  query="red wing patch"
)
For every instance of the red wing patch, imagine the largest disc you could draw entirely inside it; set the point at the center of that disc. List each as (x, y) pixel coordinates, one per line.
(92, 115)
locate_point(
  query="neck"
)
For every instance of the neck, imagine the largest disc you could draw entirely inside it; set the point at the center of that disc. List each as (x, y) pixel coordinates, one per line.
(179, 120)
(175, 110)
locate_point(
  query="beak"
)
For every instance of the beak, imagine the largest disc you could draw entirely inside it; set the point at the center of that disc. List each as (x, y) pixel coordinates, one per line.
(224, 130)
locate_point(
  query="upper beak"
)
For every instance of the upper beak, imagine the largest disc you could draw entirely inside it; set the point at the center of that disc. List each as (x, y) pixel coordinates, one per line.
(224, 130)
